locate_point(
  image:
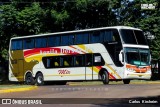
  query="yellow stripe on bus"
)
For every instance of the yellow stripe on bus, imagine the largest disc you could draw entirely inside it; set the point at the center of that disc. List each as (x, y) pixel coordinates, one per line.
(71, 75)
(113, 71)
(85, 49)
(140, 74)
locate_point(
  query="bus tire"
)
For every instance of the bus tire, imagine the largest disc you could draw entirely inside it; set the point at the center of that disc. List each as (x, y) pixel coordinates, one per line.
(126, 81)
(29, 80)
(39, 79)
(105, 77)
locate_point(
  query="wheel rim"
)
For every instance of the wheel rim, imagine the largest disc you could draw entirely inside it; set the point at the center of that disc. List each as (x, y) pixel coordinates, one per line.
(39, 79)
(103, 77)
(28, 79)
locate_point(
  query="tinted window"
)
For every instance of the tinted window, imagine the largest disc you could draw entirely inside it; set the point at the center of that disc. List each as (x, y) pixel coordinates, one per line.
(140, 37)
(96, 37)
(40, 42)
(128, 36)
(54, 41)
(51, 62)
(64, 40)
(56, 61)
(112, 43)
(88, 59)
(28, 43)
(67, 61)
(111, 36)
(73, 61)
(79, 60)
(137, 56)
(82, 38)
(98, 60)
(67, 40)
(16, 45)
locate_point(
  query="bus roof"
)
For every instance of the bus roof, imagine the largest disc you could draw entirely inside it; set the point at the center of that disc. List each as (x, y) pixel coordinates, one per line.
(77, 31)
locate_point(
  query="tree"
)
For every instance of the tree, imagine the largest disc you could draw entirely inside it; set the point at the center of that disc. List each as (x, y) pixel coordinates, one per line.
(147, 20)
(8, 26)
(91, 14)
(30, 20)
(28, 17)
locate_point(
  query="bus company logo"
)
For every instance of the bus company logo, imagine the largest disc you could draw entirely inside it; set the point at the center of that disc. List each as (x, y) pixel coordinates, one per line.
(63, 71)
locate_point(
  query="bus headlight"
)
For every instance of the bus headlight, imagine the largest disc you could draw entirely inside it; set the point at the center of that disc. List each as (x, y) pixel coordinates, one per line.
(130, 70)
(148, 70)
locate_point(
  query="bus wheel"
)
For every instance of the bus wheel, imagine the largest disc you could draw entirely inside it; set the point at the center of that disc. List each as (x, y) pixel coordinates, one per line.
(39, 79)
(126, 81)
(105, 77)
(29, 79)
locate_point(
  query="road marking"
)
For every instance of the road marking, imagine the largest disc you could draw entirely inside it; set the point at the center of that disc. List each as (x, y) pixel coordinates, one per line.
(17, 89)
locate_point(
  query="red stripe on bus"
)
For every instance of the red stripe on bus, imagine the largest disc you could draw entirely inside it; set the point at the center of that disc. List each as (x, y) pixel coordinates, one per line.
(31, 52)
(111, 76)
(99, 67)
(41, 50)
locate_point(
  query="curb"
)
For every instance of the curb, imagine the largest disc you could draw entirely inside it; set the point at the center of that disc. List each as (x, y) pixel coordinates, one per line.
(17, 89)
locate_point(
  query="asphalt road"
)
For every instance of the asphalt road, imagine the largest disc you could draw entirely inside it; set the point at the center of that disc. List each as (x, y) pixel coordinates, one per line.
(92, 91)
(113, 93)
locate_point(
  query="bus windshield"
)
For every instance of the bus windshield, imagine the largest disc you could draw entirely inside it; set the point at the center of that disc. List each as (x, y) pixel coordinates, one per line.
(133, 37)
(137, 56)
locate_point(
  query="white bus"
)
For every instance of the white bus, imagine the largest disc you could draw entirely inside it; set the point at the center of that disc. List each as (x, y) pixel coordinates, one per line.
(107, 53)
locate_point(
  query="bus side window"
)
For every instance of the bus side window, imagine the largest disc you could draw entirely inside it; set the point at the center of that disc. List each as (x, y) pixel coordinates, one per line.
(16, 45)
(40, 42)
(48, 63)
(98, 60)
(88, 59)
(54, 41)
(82, 38)
(28, 43)
(79, 60)
(96, 37)
(56, 62)
(67, 40)
(67, 61)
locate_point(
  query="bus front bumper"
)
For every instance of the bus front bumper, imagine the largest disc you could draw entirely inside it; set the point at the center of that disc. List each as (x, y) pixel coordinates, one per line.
(138, 76)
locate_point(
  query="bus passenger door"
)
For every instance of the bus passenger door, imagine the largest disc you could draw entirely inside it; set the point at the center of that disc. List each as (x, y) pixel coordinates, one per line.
(80, 67)
(94, 63)
(20, 70)
(89, 66)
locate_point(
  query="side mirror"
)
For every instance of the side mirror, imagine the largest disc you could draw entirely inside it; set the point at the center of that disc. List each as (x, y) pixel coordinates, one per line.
(121, 57)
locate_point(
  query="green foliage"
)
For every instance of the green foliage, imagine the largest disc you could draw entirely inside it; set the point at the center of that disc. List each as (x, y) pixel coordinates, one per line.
(92, 13)
(30, 20)
(27, 17)
(59, 17)
(7, 25)
(147, 20)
